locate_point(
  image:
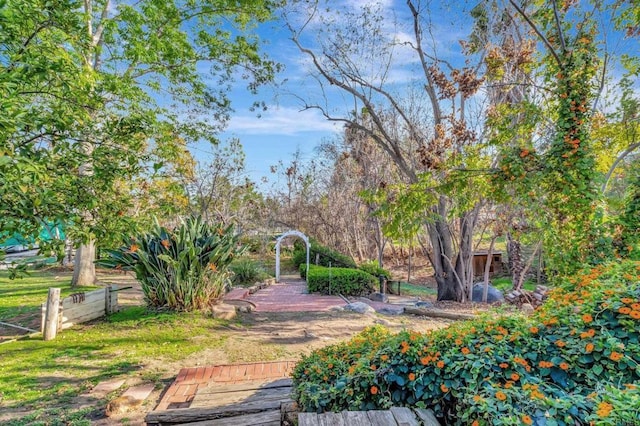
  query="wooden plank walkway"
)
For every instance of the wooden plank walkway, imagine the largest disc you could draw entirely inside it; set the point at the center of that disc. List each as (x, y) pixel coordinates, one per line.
(400, 416)
(249, 403)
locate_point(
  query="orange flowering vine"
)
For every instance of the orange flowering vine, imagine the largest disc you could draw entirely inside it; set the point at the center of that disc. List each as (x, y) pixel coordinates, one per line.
(501, 395)
(604, 409)
(616, 356)
(373, 390)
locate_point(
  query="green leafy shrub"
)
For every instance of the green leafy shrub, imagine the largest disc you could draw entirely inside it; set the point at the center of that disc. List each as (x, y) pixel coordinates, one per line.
(345, 281)
(374, 269)
(325, 255)
(185, 269)
(575, 360)
(247, 272)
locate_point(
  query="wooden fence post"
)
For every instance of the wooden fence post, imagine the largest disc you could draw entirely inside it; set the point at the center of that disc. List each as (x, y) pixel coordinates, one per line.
(51, 316)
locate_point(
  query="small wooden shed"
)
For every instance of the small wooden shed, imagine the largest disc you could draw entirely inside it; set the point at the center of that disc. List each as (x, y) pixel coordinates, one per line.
(480, 260)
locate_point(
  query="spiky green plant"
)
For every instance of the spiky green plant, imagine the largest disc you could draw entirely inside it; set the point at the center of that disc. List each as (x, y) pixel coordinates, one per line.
(185, 269)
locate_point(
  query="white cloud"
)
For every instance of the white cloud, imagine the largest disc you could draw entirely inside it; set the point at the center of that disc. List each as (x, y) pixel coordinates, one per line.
(281, 121)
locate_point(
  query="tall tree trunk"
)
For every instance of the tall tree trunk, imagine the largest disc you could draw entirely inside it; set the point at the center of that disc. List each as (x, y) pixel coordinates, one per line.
(464, 262)
(84, 270)
(516, 265)
(449, 285)
(487, 269)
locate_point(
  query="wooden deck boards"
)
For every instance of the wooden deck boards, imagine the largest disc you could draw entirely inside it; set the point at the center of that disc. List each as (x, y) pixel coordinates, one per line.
(266, 402)
(400, 416)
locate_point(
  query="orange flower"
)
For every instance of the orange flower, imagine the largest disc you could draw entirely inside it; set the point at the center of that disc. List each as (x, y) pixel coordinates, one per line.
(440, 364)
(627, 300)
(412, 377)
(384, 357)
(564, 366)
(527, 420)
(604, 408)
(635, 306)
(545, 364)
(373, 367)
(587, 318)
(424, 361)
(477, 398)
(465, 351)
(444, 388)
(524, 153)
(503, 365)
(501, 395)
(536, 394)
(134, 248)
(374, 390)
(475, 423)
(635, 314)
(213, 267)
(515, 377)
(616, 356)
(624, 310)
(458, 342)
(534, 330)
(589, 348)
(165, 243)
(560, 343)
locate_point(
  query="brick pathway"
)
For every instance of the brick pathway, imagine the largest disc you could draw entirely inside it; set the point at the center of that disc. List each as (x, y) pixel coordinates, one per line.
(189, 380)
(292, 297)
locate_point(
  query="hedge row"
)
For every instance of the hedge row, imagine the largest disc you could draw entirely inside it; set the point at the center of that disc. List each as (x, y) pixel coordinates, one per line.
(374, 269)
(325, 256)
(345, 281)
(574, 361)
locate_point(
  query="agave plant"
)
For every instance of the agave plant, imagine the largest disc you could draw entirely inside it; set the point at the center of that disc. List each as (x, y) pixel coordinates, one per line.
(185, 269)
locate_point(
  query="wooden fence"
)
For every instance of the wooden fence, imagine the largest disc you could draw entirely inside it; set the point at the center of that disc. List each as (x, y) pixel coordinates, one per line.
(59, 314)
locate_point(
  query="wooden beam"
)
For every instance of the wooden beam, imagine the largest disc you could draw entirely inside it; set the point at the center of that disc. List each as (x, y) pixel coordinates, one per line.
(404, 416)
(427, 417)
(438, 313)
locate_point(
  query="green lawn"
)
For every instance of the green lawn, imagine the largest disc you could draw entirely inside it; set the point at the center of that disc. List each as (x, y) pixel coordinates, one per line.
(407, 289)
(22, 297)
(505, 284)
(40, 375)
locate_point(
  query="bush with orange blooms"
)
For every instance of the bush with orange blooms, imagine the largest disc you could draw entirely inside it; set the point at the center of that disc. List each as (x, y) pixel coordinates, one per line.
(576, 360)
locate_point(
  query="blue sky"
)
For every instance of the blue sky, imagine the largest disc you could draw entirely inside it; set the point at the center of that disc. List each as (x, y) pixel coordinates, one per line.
(284, 128)
(275, 134)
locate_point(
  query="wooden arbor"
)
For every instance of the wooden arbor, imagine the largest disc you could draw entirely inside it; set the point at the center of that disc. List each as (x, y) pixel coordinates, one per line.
(282, 237)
